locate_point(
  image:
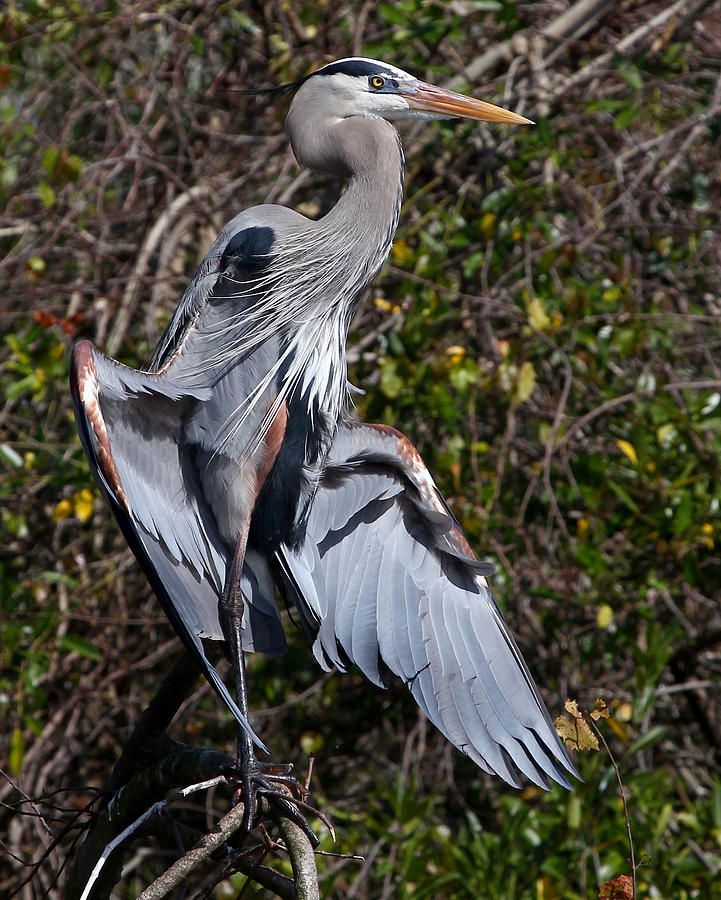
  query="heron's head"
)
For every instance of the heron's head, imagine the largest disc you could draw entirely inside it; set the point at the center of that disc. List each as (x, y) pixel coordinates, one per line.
(367, 87)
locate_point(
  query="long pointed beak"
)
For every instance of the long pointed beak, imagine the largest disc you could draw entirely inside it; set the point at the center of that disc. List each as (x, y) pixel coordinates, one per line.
(428, 98)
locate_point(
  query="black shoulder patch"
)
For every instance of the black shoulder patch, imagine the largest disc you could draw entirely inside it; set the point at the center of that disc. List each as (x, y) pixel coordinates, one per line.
(355, 66)
(249, 249)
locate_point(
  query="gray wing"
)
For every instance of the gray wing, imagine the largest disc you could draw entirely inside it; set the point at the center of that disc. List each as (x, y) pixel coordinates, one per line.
(130, 424)
(386, 580)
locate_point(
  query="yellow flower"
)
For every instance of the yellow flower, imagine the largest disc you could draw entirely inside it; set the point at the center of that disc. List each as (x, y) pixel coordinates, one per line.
(83, 504)
(402, 253)
(455, 353)
(537, 315)
(604, 616)
(63, 510)
(488, 223)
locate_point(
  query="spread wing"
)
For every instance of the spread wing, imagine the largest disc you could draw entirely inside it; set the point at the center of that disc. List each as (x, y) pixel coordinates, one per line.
(130, 424)
(386, 580)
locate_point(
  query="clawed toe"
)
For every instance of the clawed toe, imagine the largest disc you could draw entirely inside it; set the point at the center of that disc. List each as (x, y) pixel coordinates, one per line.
(289, 808)
(281, 790)
(274, 769)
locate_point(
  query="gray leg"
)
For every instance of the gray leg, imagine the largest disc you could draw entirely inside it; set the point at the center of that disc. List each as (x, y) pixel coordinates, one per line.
(232, 608)
(254, 776)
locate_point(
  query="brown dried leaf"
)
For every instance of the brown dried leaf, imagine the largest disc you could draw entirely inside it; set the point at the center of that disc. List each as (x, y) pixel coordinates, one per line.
(600, 710)
(619, 888)
(575, 732)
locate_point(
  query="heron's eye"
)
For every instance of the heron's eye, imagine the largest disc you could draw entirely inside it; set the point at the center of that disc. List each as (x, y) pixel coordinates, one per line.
(377, 82)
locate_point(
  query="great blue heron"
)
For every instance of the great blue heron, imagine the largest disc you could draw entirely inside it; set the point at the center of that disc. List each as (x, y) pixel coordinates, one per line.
(232, 465)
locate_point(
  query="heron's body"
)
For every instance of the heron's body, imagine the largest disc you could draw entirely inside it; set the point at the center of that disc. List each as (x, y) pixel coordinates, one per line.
(238, 432)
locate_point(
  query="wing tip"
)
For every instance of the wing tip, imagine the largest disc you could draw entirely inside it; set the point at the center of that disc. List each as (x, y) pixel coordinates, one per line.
(220, 687)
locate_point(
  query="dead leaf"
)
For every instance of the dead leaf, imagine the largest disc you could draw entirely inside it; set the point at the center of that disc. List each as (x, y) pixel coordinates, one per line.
(619, 888)
(575, 732)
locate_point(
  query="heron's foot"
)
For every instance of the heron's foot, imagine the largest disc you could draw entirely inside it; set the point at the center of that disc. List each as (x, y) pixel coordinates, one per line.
(283, 792)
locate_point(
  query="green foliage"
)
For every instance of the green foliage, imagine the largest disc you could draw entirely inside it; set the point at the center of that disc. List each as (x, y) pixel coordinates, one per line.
(547, 333)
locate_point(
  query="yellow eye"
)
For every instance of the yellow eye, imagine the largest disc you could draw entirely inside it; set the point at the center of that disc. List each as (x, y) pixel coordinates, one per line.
(377, 82)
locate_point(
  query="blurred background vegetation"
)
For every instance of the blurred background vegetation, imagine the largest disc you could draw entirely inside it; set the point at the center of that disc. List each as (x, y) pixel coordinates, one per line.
(547, 331)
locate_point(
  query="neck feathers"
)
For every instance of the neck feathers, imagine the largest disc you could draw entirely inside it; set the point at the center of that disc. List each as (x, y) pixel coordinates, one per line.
(346, 249)
(361, 226)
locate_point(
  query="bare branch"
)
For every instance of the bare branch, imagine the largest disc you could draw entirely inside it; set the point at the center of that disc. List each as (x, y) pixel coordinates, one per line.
(151, 811)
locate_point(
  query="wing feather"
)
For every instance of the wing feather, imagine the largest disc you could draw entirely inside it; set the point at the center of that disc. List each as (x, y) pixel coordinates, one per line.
(393, 588)
(159, 505)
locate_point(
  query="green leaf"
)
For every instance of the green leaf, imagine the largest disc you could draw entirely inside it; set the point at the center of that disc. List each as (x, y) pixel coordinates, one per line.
(73, 165)
(684, 512)
(574, 815)
(47, 194)
(631, 75)
(75, 644)
(625, 117)
(51, 158)
(16, 752)
(624, 496)
(653, 736)
(391, 381)
(50, 577)
(389, 13)
(525, 383)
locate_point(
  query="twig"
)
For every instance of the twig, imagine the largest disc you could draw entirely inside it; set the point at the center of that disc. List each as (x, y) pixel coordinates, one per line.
(623, 800)
(698, 130)
(557, 418)
(594, 414)
(150, 245)
(155, 719)
(173, 876)
(687, 686)
(573, 22)
(170, 772)
(609, 405)
(597, 65)
(152, 810)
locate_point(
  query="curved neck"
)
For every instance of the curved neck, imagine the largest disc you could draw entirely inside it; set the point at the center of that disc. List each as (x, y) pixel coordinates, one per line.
(371, 152)
(361, 226)
(342, 252)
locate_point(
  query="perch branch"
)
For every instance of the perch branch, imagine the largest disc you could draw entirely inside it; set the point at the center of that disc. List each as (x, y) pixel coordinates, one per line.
(304, 885)
(156, 808)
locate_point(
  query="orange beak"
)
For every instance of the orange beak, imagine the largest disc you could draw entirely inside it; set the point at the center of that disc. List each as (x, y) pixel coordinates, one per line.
(428, 98)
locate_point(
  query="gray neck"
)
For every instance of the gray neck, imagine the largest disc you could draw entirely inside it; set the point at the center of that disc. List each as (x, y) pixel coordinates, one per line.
(345, 250)
(369, 207)
(361, 226)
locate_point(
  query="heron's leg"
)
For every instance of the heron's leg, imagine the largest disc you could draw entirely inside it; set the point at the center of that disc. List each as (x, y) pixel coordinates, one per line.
(233, 606)
(255, 777)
